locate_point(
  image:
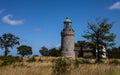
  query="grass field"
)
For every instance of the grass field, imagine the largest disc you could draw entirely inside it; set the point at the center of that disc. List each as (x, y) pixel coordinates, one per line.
(45, 68)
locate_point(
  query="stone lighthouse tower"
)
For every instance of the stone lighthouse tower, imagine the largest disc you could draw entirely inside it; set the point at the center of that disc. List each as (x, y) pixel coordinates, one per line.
(67, 39)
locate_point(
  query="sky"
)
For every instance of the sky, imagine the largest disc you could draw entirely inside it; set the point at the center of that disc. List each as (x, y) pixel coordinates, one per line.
(39, 22)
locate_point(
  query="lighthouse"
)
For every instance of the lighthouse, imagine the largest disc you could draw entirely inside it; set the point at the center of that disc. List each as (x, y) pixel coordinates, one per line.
(67, 39)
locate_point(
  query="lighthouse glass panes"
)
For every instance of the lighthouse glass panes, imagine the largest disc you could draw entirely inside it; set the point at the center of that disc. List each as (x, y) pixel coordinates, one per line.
(67, 26)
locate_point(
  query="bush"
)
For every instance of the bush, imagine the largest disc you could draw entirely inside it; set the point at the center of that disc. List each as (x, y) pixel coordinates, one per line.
(32, 59)
(115, 62)
(10, 60)
(61, 67)
(85, 61)
(76, 63)
(40, 60)
(99, 62)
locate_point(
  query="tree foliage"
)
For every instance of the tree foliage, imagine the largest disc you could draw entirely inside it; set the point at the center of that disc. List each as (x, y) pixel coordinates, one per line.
(44, 51)
(8, 41)
(49, 52)
(99, 33)
(54, 52)
(113, 53)
(24, 50)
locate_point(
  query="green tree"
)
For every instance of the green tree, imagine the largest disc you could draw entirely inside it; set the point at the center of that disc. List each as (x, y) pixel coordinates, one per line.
(113, 53)
(99, 33)
(8, 41)
(54, 52)
(44, 51)
(24, 50)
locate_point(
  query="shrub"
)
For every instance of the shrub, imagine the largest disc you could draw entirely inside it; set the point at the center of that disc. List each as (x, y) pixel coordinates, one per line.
(61, 67)
(85, 61)
(99, 62)
(40, 60)
(32, 59)
(10, 60)
(76, 63)
(115, 62)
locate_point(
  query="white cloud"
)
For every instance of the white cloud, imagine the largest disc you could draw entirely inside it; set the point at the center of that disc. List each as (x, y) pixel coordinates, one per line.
(48, 46)
(7, 19)
(115, 6)
(58, 45)
(2, 10)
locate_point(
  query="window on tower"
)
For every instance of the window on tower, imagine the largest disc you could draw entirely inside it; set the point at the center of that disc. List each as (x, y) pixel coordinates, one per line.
(68, 25)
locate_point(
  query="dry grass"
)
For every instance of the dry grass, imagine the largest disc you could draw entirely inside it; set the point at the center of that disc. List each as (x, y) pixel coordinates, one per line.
(27, 69)
(96, 69)
(45, 68)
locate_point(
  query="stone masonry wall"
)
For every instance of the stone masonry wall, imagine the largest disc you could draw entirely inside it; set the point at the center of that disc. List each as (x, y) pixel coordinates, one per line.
(68, 46)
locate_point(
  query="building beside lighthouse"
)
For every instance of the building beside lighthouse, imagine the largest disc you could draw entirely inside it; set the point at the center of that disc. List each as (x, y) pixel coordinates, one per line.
(67, 39)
